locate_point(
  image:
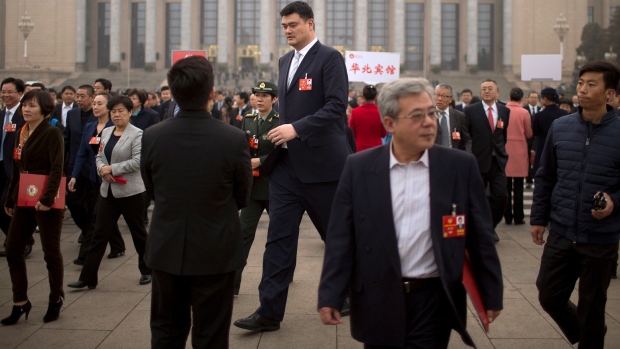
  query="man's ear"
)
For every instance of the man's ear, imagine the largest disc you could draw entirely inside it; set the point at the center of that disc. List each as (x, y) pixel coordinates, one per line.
(212, 93)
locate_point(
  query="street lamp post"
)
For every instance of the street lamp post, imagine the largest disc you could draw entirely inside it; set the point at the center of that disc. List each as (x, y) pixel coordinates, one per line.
(25, 26)
(561, 29)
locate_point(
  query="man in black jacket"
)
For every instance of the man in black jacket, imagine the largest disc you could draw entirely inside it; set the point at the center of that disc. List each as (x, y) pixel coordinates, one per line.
(581, 159)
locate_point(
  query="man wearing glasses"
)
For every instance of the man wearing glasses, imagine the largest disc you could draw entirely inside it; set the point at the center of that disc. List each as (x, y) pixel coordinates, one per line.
(405, 278)
(487, 122)
(451, 131)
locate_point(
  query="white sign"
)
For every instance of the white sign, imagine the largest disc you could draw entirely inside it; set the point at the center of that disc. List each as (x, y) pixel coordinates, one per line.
(541, 67)
(372, 67)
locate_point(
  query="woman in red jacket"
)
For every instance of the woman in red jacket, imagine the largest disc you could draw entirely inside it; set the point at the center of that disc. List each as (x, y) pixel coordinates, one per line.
(366, 121)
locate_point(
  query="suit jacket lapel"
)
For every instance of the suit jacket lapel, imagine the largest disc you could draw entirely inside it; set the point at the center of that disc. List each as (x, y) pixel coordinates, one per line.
(378, 186)
(442, 181)
(306, 60)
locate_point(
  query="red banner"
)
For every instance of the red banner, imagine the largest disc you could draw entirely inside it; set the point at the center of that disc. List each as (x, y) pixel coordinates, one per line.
(177, 55)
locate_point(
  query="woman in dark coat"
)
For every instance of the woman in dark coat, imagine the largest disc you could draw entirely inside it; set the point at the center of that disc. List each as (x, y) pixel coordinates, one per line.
(38, 150)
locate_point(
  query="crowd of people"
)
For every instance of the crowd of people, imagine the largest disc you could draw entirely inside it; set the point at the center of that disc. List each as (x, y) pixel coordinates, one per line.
(402, 184)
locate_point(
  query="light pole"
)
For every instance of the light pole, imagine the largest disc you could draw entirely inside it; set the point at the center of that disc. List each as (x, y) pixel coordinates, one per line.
(611, 55)
(25, 26)
(561, 29)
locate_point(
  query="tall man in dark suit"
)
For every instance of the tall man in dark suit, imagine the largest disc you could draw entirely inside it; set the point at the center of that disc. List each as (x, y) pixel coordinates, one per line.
(197, 169)
(12, 120)
(312, 149)
(533, 108)
(451, 130)
(256, 127)
(487, 122)
(401, 248)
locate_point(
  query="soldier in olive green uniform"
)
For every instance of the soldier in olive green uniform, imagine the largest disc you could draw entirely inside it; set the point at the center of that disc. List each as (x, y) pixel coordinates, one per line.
(256, 126)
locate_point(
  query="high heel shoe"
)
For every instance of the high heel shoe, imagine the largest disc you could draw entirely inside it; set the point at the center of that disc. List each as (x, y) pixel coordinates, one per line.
(17, 312)
(53, 311)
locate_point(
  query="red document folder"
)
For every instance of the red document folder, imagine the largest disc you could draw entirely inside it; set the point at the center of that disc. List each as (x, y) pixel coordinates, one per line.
(474, 293)
(32, 187)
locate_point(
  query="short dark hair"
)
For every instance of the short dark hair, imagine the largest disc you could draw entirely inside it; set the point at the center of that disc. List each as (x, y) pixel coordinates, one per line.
(549, 96)
(89, 89)
(120, 99)
(52, 90)
(493, 81)
(529, 94)
(369, 92)
(466, 90)
(611, 75)
(516, 94)
(152, 94)
(142, 96)
(244, 96)
(164, 88)
(39, 84)
(299, 7)
(353, 104)
(191, 82)
(107, 84)
(19, 84)
(44, 100)
(565, 100)
(68, 87)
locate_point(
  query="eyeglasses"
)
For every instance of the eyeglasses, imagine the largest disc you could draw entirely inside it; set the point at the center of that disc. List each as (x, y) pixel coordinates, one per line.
(439, 95)
(419, 115)
(8, 92)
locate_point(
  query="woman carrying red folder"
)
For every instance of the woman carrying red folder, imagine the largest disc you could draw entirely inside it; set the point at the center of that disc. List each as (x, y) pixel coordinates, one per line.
(38, 150)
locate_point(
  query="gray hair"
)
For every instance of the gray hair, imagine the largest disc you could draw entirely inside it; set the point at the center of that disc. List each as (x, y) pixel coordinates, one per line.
(445, 86)
(392, 91)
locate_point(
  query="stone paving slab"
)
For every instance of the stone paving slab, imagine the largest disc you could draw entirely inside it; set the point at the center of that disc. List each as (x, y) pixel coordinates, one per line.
(116, 314)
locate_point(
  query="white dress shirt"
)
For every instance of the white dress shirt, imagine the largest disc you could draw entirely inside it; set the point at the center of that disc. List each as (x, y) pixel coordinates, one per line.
(486, 112)
(303, 52)
(411, 208)
(65, 109)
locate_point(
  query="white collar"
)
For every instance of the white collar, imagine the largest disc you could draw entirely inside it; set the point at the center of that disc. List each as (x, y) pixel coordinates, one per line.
(304, 51)
(393, 161)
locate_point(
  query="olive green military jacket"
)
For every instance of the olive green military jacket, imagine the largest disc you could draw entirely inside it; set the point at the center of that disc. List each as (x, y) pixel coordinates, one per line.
(249, 125)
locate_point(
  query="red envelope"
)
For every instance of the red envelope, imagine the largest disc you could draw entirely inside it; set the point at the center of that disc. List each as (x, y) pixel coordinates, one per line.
(120, 180)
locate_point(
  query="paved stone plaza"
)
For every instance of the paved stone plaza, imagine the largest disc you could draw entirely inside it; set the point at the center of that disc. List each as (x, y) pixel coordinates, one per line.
(116, 314)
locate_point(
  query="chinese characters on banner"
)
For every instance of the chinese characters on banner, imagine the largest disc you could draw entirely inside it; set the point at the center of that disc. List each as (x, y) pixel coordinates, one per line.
(372, 67)
(177, 55)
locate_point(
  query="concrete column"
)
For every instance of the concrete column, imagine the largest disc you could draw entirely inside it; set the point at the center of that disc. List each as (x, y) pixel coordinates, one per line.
(398, 28)
(361, 25)
(80, 35)
(115, 32)
(318, 7)
(151, 34)
(186, 24)
(606, 11)
(267, 15)
(435, 33)
(222, 30)
(472, 32)
(507, 35)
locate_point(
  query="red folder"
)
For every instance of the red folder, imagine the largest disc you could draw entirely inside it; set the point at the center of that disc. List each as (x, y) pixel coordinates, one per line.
(32, 187)
(474, 293)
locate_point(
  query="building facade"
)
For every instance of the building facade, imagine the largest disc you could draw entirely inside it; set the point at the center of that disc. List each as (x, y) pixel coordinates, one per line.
(453, 36)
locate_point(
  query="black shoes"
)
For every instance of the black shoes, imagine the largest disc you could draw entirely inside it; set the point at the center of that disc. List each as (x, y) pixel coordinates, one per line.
(53, 311)
(27, 250)
(16, 313)
(346, 308)
(257, 322)
(145, 279)
(81, 284)
(3, 253)
(116, 254)
(78, 261)
(495, 236)
(81, 238)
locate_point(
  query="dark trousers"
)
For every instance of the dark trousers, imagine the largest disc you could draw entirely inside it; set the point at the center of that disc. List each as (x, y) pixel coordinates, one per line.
(514, 206)
(249, 217)
(175, 298)
(109, 211)
(117, 244)
(495, 179)
(429, 319)
(77, 202)
(530, 170)
(23, 223)
(288, 199)
(562, 263)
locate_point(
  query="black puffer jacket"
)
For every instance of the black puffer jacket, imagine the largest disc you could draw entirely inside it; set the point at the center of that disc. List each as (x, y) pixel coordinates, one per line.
(579, 159)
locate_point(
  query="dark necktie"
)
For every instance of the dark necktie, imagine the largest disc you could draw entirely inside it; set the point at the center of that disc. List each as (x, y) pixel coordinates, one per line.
(445, 132)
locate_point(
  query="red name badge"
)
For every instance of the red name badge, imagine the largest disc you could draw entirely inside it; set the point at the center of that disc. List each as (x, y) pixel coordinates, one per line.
(454, 226)
(239, 117)
(305, 84)
(456, 136)
(500, 124)
(17, 154)
(10, 127)
(253, 142)
(94, 140)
